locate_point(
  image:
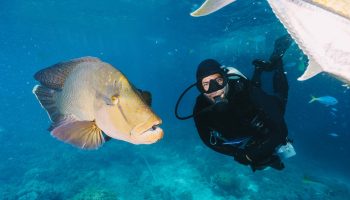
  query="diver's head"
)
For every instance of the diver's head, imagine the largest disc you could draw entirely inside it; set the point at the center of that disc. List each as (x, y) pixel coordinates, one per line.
(211, 80)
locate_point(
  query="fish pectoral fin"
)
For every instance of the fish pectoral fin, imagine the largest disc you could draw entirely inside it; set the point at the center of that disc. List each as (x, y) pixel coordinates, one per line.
(312, 70)
(82, 134)
(210, 6)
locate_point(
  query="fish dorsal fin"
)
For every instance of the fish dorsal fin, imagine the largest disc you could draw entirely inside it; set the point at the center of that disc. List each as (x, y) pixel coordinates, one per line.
(312, 70)
(54, 76)
(82, 134)
(210, 6)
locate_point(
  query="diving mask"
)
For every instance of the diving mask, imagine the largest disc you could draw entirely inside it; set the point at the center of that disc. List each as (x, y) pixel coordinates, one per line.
(214, 85)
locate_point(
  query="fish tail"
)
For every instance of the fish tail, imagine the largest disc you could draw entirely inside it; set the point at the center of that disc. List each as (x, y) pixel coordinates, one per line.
(313, 98)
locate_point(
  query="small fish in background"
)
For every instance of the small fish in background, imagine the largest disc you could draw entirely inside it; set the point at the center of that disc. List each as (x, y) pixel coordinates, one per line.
(347, 86)
(333, 111)
(333, 114)
(312, 180)
(325, 100)
(155, 40)
(2, 129)
(333, 134)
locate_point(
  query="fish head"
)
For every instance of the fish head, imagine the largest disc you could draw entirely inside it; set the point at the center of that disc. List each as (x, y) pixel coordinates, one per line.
(125, 115)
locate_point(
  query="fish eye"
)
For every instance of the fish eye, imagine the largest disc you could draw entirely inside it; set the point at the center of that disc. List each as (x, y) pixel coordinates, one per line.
(114, 99)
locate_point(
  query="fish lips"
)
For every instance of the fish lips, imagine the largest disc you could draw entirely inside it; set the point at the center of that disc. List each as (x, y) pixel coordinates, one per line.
(148, 132)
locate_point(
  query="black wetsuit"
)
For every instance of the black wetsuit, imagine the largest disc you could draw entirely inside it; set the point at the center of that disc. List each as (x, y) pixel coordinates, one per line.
(250, 112)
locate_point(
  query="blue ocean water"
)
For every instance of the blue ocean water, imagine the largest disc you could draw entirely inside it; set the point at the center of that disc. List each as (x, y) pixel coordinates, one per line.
(158, 46)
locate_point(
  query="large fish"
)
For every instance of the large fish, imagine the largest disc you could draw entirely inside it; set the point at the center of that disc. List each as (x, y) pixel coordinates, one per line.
(87, 99)
(321, 28)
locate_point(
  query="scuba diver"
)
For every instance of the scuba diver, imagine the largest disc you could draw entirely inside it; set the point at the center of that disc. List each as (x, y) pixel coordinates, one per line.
(235, 117)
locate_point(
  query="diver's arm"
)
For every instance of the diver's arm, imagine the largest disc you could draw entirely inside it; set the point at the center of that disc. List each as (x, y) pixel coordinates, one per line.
(204, 133)
(271, 127)
(267, 142)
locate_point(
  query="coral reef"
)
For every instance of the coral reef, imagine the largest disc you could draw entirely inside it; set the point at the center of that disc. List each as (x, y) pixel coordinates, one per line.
(229, 183)
(91, 193)
(36, 190)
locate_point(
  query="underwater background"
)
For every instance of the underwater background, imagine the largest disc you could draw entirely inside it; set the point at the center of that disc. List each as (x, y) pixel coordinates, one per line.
(158, 46)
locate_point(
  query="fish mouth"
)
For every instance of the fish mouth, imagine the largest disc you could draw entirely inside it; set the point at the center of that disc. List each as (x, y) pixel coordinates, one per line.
(152, 134)
(150, 130)
(154, 127)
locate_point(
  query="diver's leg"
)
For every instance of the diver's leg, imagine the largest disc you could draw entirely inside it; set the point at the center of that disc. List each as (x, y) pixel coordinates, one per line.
(280, 85)
(280, 47)
(280, 82)
(256, 78)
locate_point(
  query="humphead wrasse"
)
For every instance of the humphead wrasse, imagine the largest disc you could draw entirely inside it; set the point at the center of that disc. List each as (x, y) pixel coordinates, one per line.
(87, 99)
(321, 28)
